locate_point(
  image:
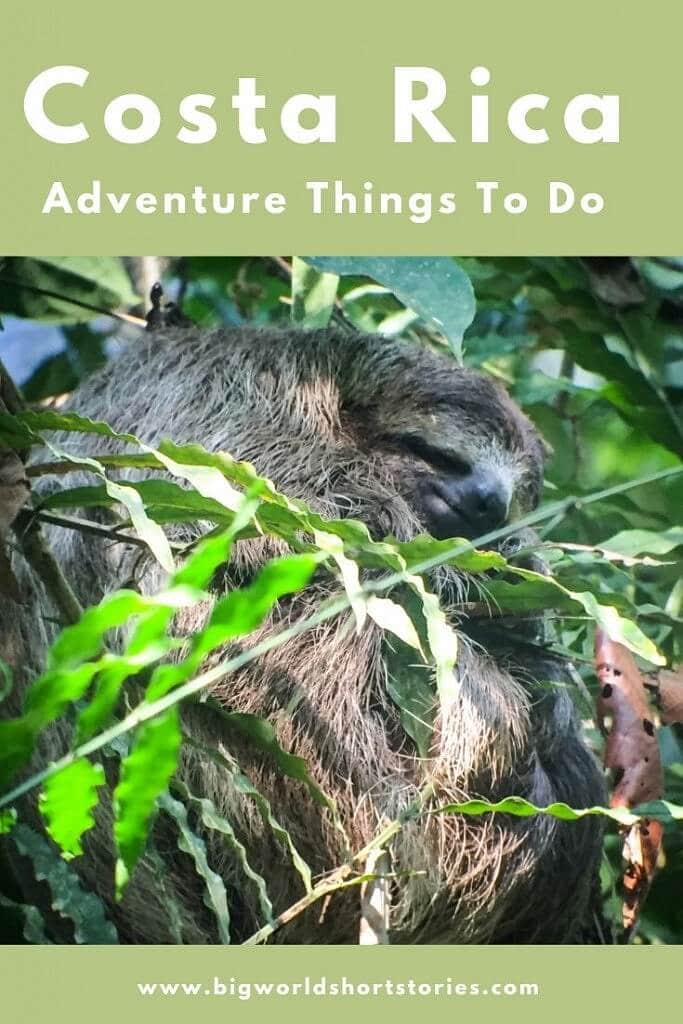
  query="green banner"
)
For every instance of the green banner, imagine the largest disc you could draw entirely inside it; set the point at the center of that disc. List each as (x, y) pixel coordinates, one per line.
(171, 984)
(490, 128)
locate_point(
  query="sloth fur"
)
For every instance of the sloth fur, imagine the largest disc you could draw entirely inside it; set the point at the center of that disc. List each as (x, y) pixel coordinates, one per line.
(325, 415)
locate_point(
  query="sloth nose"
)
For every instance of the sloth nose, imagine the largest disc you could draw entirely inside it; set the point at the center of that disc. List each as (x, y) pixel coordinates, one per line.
(484, 500)
(481, 498)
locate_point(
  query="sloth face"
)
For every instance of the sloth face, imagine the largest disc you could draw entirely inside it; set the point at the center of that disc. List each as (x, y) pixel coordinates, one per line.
(456, 496)
(474, 469)
(460, 451)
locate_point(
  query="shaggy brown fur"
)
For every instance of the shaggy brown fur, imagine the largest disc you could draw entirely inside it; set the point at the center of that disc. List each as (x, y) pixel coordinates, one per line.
(325, 415)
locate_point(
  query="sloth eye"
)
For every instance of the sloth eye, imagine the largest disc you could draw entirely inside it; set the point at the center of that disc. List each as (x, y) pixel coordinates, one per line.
(437, 458)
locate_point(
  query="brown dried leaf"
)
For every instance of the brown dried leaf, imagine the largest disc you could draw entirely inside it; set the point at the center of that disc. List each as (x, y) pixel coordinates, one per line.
(670, 698)
(632, 755)
(642, 844)
(631, 749)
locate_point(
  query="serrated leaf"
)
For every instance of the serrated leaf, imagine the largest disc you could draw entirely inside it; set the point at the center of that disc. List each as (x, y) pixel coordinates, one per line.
(537, 591)
(146, 528)
(216, 822)
(191, 844)
(68, 898)
(243, 785)
(115, 671)
(237, 614)
(149, 642)
(443, 642)
(67, 802)
(8, 818)
(33, 927)
(660, 810)
(145, 774)
(262, 735)
(83, 640)
(424, 548)
(16, 745)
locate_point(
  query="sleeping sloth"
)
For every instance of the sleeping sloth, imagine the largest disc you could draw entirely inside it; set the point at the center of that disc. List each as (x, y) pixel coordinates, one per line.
(406, 441)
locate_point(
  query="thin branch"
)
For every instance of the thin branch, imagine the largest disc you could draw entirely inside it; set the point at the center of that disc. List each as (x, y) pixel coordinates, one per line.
(61, 466)
(9, 393)
(112, 533)
(34, 548)
(375, 901)
(127, 318)
(338, 879)
(37, 553)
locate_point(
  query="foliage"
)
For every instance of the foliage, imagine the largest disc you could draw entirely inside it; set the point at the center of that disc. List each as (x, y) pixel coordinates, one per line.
(592, 349)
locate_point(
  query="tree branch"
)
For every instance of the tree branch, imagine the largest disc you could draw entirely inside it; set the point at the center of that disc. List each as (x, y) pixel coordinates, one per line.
(34, 548)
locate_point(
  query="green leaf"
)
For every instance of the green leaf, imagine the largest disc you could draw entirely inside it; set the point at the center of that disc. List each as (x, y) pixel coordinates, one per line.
(537, 591)
(423, 548)
(97, 280)
(85, 638)
(635, 542)
(16, 746)
(216, 822)
(333, 545)
(411, 687)
(618, 628)
(145, 774)
(191, 844)
(68, 898)
(661, 810)
(8, 819)
(238, 613)
(67, 803)
(149, 642)
(443, 642)
(6, 682)
(163, 494)
(262, 735)
(146, 528)
(242, 785)
(116, 670)
(313, 295)
(209, 555)
(433, 286)
(393, 617)
(33, 927)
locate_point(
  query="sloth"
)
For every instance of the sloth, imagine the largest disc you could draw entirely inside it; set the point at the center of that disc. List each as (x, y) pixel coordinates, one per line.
(402, 438)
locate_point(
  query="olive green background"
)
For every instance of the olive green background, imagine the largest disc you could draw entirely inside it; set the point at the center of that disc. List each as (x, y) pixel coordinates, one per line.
(349, 49)
(95, 983)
